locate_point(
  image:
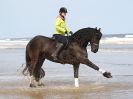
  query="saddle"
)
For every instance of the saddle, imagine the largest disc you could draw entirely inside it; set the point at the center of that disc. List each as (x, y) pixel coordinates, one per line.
(64, 41)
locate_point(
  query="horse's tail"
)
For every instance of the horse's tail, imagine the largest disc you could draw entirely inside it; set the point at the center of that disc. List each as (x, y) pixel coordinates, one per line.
(27, 59)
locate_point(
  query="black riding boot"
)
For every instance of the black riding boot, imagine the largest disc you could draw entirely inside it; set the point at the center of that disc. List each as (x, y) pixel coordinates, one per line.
(55, 54)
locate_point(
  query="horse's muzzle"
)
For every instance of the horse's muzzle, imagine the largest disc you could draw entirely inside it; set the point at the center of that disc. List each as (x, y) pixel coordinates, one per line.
(94, 48)
(94, 51)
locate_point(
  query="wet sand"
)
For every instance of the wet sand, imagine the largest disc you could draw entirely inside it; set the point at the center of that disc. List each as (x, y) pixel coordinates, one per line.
(59, 82)
(98, 88)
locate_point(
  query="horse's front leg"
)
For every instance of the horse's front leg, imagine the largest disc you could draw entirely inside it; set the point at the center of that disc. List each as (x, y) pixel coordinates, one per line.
(92, 65)
(76, 69)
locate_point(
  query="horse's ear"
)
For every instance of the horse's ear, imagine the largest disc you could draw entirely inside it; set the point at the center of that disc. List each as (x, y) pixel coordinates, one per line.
(96, 28)
(99, 29)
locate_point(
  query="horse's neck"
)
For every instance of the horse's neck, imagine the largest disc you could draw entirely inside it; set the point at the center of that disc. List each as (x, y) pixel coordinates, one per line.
(83, 42)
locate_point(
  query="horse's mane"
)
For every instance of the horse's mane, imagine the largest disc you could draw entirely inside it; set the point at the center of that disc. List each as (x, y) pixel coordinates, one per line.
(82, 36)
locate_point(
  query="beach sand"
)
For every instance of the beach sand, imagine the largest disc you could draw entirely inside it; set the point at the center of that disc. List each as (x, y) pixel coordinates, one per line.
(59, 81)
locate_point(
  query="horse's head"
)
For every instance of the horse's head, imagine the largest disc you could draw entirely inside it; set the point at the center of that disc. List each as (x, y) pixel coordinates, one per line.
(88, 35)
(95, 39)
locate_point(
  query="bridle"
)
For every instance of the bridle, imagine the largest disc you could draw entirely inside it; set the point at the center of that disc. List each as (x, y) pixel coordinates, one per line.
(95, 44)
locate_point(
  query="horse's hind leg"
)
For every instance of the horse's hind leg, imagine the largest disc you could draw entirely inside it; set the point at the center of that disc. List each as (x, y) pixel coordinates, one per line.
(39, 73)
(42, 74)
(31, 71)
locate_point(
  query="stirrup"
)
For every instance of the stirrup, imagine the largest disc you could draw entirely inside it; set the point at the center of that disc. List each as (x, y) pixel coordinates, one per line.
(54, 58)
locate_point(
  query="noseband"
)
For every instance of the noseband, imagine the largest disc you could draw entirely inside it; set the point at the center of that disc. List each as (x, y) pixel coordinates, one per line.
(93, 44)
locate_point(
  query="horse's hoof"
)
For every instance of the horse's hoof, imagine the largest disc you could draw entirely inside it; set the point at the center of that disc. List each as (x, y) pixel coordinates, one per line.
(107, 75)
(41, 84)
(32, 86)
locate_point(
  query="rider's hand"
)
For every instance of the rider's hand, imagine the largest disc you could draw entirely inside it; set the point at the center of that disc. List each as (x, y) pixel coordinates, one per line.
(65, 32)
(71, 32)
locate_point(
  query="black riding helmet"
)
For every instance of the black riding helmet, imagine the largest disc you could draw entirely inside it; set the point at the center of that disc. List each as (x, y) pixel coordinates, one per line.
(63, 9)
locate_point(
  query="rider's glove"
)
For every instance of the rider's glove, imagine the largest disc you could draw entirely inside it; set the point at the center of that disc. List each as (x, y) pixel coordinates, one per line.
(65, 32)
(71, 32)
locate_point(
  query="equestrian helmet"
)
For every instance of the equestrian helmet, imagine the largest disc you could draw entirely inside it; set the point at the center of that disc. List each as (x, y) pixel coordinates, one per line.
(63, 9)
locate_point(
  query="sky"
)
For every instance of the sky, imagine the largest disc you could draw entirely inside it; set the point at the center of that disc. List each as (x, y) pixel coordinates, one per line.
(28, 18)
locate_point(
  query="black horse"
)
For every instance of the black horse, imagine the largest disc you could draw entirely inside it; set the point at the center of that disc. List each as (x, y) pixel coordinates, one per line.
(41, 48)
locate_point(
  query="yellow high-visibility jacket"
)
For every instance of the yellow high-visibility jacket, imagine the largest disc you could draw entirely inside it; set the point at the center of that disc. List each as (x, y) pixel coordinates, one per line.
(60, 26)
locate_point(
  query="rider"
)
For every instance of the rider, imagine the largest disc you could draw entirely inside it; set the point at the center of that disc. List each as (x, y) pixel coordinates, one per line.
(60, 31)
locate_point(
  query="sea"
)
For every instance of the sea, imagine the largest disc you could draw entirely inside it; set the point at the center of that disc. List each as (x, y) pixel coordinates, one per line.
(106, 39)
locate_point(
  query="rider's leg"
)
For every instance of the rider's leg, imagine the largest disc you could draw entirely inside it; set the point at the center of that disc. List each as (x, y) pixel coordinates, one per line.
(61, 41)
(56, 53)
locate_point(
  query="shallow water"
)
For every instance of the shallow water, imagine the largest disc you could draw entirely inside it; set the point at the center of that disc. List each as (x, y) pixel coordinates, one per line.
(59, 82)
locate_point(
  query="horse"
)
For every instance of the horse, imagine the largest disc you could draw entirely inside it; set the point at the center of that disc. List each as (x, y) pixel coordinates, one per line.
(41, 47)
